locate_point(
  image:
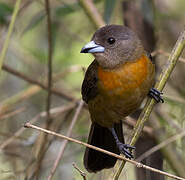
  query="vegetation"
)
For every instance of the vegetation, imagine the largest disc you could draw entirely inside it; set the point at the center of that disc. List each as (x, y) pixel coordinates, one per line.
(41, 75)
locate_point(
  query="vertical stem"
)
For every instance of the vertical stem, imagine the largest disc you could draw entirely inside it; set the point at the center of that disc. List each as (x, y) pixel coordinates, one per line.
(10, 29)
(48, 104)
(92, 13)
(44, 142)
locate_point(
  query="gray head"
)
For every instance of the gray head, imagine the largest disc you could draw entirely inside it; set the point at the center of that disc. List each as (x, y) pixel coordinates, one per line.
(113, 45)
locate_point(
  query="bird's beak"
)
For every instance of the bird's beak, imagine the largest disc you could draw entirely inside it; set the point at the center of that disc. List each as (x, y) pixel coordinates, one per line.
(92, 47)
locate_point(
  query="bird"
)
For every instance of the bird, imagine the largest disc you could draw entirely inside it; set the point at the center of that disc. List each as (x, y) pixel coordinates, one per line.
(121, 76)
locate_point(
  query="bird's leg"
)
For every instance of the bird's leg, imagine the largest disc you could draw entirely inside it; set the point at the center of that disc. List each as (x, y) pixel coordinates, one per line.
(123, 148)
(155, 94)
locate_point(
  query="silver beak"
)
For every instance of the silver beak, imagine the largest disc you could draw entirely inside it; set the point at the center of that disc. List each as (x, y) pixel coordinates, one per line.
(92, 47)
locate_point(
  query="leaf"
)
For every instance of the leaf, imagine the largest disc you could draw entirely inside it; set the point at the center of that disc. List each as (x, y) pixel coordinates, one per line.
(109, 7)
(35, 21)
(62, 10)
(66, 9)
(5, 10)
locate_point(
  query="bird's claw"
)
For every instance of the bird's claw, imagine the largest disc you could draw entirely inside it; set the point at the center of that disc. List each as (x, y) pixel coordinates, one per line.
(126, 149)
(155, 94)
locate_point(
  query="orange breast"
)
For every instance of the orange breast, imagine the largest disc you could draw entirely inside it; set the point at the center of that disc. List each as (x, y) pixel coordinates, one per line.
(125, 78)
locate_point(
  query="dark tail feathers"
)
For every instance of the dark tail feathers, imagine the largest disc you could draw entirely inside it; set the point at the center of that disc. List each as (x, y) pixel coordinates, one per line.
(101, 137)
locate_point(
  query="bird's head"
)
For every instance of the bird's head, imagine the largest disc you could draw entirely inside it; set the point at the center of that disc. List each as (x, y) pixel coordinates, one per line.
(113, 45)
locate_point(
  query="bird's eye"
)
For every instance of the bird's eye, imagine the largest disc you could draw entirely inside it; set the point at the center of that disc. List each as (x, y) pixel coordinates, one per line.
(111, 40)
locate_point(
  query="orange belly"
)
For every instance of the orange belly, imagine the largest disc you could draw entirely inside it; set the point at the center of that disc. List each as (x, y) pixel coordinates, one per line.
(129, 76)
(121, 91)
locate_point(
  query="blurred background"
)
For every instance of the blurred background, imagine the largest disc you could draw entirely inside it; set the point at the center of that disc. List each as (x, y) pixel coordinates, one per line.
(29, 154)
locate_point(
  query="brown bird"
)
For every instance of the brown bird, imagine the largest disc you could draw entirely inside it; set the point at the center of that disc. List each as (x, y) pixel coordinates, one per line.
(115, 84)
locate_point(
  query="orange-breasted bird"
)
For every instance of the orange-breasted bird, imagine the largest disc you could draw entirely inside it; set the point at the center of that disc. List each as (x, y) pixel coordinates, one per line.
(115, 84)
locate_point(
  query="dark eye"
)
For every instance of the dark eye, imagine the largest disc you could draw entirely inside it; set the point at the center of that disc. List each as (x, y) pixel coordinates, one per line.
(111, 40)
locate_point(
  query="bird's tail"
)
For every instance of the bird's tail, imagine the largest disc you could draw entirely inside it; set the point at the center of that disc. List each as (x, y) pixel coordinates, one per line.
(102, 137)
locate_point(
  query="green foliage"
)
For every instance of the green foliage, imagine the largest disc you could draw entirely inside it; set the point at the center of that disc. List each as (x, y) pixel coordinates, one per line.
(108, 10)
(5, 10)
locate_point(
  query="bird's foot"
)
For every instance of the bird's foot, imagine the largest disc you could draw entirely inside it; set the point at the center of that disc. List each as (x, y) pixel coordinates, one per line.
(126, 149)
(155, 94)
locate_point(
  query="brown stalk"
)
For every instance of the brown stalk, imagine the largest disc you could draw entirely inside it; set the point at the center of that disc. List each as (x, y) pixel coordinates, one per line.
(92, 13)
(137, 164)
(63, 145)
(36, 82)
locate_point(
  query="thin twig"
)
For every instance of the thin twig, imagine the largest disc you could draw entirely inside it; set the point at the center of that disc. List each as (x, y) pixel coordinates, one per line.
(160, 146)
(160, 51)
(5, 134)
(175, 99)
(44, 142)
(7, 104)
(13, 113)
(92, 13)
(58, 110)
(17, 133)
(10, 29)
(80, 171)
(170, 121)
(33, 120)
(176, 52)
(36, 82)
(137, 164)
(171, 154)
(63, 145)
(50, 52)
(132, 122)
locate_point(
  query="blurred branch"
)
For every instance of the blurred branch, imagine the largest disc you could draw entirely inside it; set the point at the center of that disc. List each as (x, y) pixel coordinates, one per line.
(143, 26)
(50, 52)
(53, 111)
(92, 13)
(34, 81)
(175, 99)
(80, 171)
(144, 116)
(63, 145)
(138, 165)
(44, 142)
(4, 134)
(169, 120)
(10, 29)
(175, 160)
(132, 122)
(12, 113)
(56, 126)
(7, 104)
(160, 51)
(161, 145)
(17, 134)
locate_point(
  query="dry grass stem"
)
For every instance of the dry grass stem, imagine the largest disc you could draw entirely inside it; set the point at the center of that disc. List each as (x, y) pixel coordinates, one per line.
(12, 113)
(64, 143)
(137, 164)
(160, 146)
(55, 91)
(160, 51)
(132, 122)
(53, 112)
(92, 13)
(10, 30)
(80, 171)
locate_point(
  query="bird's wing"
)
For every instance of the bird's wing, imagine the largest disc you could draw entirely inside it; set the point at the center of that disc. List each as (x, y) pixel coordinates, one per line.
(89, 86)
